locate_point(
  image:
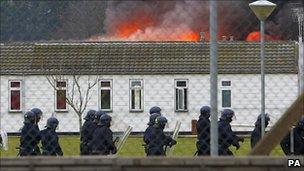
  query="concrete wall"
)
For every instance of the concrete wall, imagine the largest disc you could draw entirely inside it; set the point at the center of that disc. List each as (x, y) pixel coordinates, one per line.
(149, 164)
(281, 91)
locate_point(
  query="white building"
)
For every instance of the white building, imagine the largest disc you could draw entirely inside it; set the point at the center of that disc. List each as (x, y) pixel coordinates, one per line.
(134, 76)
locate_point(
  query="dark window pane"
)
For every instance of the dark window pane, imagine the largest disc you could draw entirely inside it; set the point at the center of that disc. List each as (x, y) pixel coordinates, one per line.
(133, 99)
(181, 84)
(105, 99)
(15, 100)
(105, 84)
(185, 99)
(61, 99)
(15, 84)
(136, 99)
(61, 84)
(226, 98)
(226, 83)
(176, 99)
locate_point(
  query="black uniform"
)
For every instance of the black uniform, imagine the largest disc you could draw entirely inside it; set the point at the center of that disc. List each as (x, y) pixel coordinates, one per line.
(102, 143)
(30, 137)
(87, 131)
(256, 134)
(156, 142)
(147, 133)
(298, 134)
(49, 141)
(203, 136)
(227, 138)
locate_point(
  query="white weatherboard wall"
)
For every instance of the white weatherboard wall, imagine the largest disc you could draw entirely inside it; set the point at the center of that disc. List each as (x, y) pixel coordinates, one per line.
(281, 91)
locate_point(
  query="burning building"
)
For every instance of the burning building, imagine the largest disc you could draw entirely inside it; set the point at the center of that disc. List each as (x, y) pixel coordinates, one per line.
(138, 75)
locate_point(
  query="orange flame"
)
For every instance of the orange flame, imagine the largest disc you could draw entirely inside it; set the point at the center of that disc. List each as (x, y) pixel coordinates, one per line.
(256, 36)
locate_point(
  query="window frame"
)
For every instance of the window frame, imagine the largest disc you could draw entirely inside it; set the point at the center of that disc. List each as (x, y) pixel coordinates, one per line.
(142, 95)
(175, 97)
(223, 88)
(105, 88)
(55, 95)
(9, 95)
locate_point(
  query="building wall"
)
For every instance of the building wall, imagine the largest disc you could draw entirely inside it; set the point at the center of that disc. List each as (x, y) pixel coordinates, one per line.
(281, 91)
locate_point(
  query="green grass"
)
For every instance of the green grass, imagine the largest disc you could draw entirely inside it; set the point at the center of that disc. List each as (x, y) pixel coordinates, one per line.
(132, 147)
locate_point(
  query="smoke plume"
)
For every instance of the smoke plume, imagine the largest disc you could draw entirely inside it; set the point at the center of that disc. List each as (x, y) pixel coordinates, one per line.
(183, 20)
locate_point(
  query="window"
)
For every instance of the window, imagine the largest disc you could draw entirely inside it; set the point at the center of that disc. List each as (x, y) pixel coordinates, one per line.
(15, 97)
(105, 95)
(181, 95)
(61, 90)
(226, 94)
(136, 95)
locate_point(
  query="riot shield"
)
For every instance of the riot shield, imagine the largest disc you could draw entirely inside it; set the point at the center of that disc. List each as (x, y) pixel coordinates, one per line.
(169, 151)
(121, 140)
(4, 140)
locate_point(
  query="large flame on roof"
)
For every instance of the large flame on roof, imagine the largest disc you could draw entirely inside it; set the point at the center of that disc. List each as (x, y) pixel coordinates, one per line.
(144, 29)
(256, 36)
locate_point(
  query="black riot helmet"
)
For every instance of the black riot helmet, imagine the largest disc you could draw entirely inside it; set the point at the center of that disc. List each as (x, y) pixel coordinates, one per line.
(227, 115)
(105, 120)
(205, 111)
(155, 109)
(97, 116)
(259, 120)
(30, 117)
(152, 119)
(90, 115)
(52, 123)
(38, 112)
(161, 122)
(300, 124)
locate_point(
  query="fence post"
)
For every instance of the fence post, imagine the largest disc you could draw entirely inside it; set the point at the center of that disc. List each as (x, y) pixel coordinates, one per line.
(213, 78)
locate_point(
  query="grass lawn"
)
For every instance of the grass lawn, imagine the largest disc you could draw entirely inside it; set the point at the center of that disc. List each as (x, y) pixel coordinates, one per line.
(132, 147)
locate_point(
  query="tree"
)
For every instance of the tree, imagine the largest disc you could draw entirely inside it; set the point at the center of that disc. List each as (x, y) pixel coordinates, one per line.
(78, 92)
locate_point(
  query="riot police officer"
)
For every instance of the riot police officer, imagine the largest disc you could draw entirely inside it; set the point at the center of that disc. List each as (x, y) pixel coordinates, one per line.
(147, 133)
(87, 131)
(49, 139)
(298, 135)
(257, 132)
(155, 109)
(226, 136)
(38, 112)
(203, 132)
(102, 143)
(30, 136)
(157, 141)
(97, 116)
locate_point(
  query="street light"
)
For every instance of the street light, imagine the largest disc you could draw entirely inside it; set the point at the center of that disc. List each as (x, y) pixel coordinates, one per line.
(262, 9)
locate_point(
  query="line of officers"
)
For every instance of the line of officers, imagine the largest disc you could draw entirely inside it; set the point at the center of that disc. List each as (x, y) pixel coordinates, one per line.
(97, 137)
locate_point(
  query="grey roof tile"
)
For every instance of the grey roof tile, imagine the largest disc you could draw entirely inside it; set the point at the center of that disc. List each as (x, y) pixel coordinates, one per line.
(144, 58)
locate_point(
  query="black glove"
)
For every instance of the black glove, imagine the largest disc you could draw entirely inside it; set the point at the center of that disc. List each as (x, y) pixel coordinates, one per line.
(241, 139)
(172, 143)
(237, 146)
(114, 151)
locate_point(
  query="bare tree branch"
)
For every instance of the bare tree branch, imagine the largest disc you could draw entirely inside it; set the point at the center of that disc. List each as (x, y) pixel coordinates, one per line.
(76, 97)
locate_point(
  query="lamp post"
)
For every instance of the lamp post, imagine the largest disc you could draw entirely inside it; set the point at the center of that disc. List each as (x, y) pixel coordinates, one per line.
(262, 9)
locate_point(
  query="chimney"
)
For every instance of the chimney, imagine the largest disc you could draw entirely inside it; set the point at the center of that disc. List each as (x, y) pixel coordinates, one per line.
(202, 36)
(224, 38)
(231, 38)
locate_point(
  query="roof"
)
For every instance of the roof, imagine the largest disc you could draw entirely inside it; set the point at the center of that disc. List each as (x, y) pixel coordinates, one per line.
(104, 58)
